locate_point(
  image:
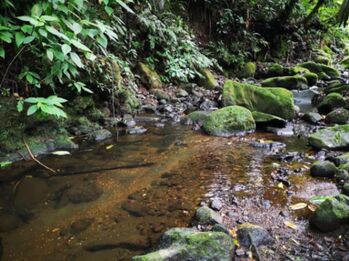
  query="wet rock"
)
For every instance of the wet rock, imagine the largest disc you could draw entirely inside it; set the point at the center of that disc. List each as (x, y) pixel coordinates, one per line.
(296, 82)
(312, 117)
(229, 121)
(208, 105)
(100, 135)
(161, 94)
(182, 93)
(137, 130)
(9, 222)
(84, 192)
(323, 169)
(221, 228)
(196, 117)
(338, 116)
(29, 193)
(264, 119)
(134, 208)
(331, 102)
(207, 216)
(190, 244)
(274, 101)
(345, 189)
(80, 225)
(336, 137)
(333, 212)
(323, 71)
(249, 234)
(216, 204)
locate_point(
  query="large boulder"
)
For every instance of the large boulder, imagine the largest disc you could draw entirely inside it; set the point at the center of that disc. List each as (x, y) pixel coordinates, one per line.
(229, 121)
(248, 70)
(331, 138)
(149, 77)
(322, 70)
(296, 82)
(190, 244)
(311, 77)
(324, 169)
(338, 116)
(276, 69)
(330, 102)
(274, 101)
(333, 212)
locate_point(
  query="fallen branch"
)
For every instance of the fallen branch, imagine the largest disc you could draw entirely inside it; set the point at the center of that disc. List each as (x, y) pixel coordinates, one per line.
(36, 160)
(133, 166)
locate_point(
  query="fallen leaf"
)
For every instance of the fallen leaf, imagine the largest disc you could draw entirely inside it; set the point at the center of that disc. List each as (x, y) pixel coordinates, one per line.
(290, 224)
(60, 153)
(298, 206)
(312, 207)
(55, 230)
(109, 147)
(281, 185)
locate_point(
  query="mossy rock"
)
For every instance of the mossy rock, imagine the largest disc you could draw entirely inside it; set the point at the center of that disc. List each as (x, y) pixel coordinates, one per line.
(338, 88)
(274, 101)
(197, 117)
(248, 70)
(276, 70)
(330, 102)
(311, 77)
(264, 120)
(322, 70)
(338, 116)
(149, 77)
(161, 94)
(229, 121)
(190, 244)
(207, 79)
(331, 214)
(296, 82)
(331, 138)
(323, 169)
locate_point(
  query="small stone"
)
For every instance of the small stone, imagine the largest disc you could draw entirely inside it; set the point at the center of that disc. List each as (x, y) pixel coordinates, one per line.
(324, 169)
(216, 204)
(80, 225)
(100, 135)
(312, 117)
(258, 235)
(207, 216)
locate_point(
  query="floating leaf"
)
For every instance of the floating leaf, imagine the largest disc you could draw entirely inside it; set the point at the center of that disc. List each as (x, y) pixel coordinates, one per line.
(109, 147)
(298, 206)
(290, 224)
(61, 153)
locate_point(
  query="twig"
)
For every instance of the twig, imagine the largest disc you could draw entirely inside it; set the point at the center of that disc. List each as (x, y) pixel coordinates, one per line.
(36, 160)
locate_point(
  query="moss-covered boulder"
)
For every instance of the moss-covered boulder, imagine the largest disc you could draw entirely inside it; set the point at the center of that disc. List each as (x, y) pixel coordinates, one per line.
(276, 69)
(338, 88)
(207, 79)
(336, 137)
(150, 77)
(333, 212)
(264, 119)
(311, 77)
(196, 117)
(274, 101)
(248, 70)
(296, 82)
(322, 70)
(330, 102)
(190, 244)
(320, 56)
(338, 116)
(323, 169)
(229, 121)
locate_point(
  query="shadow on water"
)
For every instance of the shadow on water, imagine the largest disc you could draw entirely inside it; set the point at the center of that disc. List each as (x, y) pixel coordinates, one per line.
(115, 214)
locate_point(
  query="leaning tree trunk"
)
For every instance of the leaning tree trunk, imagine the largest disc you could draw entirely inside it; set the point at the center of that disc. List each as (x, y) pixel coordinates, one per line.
(313, 12)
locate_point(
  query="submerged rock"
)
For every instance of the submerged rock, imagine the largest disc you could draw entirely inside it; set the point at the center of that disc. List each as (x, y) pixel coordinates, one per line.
(274, 101)
(338, 116)
(330, 102)
(80, 225)
(207, 216)
(264, 119)
(9, 222)
(324, 169)
(190, 244)
(229, 121)
(333, 212)
(84, 192)
(336, 137)
(296, 82)
(249, 234)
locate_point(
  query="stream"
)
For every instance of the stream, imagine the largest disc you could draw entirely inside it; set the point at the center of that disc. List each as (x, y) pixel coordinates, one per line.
(116, 214)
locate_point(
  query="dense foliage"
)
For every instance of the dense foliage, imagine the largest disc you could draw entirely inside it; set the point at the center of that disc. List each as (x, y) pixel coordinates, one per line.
(57, 48)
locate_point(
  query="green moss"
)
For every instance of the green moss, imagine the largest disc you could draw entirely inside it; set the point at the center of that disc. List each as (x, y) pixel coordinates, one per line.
(161, 94)
(345, 62)
(338, 88)
(336, 137)
(229, 121)
(321, 70)
(330, 102)
(248, 70)
(274, 101)
(197, 117)
(296, 82)
(268, 119)
(277, 70)
(207, 79)
(338, 116)
(149, 77)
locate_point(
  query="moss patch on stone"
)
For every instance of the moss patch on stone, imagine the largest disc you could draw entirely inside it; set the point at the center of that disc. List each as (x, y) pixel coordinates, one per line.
(149, 77)
(321, 70)
(336, 137)
(229, 121)
(207, 79)
(296, 82)
(248, 70)
(330, 102)
(274, 101)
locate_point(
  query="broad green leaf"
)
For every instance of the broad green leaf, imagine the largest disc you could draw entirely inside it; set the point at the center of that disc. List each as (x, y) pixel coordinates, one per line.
(32, 100)
(109, 10)
(6, 37)
(5, 164)
(28, 29)
(43, 32)
(49, 54)
(32, 109)
(28, 39)
(31, 20)
(50, 18)
(76, 59)
(36, 10)
(127, 8)
(102, 40)
(55, 32)
(19, 38)
(20, 105)
(80, 46)
(66, 49)
(2, 52)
